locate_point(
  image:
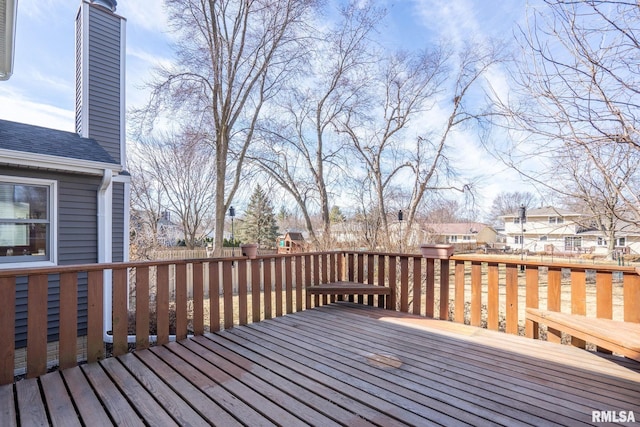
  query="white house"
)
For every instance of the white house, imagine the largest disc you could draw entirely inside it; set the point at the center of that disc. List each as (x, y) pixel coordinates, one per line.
(551, 229)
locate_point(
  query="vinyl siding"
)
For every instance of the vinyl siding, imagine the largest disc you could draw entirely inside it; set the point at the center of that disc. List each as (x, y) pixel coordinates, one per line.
(77, 244)
(103, 85)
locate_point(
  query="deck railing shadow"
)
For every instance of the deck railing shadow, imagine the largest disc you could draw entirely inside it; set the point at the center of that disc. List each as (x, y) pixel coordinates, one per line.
(183, 297)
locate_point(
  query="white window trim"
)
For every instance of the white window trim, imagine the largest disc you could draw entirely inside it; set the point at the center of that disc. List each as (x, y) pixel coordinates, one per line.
(53, 221)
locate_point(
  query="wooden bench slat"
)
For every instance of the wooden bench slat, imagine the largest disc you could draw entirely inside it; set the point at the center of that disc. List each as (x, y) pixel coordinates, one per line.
(348, 288)
(620, 337)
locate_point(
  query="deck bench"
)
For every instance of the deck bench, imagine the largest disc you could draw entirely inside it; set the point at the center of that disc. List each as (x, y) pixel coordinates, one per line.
(349, 288)
(618, 337)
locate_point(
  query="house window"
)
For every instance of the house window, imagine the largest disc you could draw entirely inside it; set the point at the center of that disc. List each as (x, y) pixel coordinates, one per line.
(543, 238)
(27, 221)
(516, 220)
(556, 220)
(518, 240)
(572, 243)
(466, 237)
(601, 241)
(621, 241)
(452, 239)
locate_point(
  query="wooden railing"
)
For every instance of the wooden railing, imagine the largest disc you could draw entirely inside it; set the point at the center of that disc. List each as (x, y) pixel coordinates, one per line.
(210, 294)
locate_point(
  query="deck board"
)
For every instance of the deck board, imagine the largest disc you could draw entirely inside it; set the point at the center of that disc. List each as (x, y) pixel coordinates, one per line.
(339, 364)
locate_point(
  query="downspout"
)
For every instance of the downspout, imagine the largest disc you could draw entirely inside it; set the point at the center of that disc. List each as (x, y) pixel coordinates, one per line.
(105, 236)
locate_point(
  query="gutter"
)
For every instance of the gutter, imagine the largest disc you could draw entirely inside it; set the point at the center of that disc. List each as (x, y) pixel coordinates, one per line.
(65, 164)
(8, 9)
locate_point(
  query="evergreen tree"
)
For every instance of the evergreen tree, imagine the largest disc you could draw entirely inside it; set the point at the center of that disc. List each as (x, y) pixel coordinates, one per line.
(259, 223)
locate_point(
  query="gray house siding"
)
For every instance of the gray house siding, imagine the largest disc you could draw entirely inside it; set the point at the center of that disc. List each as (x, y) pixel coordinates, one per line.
(77, 242)
(103, 83)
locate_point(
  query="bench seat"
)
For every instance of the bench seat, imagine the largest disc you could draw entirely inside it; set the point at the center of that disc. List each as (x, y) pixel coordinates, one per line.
(348, 288)
(619, 337)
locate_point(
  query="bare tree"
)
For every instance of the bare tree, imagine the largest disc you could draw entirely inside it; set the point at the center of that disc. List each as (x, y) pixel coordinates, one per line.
(506, 203)
(410, 86)
(404, 87)
(147, 207)
(579, 84)
(179, 172)
(299, 151)
(232, 56)
(590, 190)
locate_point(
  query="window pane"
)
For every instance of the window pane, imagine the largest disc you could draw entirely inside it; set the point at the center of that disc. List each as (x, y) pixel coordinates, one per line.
(24, 240)
(23, 201)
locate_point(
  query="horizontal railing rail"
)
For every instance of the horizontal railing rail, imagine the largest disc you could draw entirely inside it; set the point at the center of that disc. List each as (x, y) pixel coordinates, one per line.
(162, 300)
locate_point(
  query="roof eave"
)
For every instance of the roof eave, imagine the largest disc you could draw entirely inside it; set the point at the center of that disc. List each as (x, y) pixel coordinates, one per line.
(8, 37)
(64, 164)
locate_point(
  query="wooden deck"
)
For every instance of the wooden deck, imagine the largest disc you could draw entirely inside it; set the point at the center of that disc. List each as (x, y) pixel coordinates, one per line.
(340, 364)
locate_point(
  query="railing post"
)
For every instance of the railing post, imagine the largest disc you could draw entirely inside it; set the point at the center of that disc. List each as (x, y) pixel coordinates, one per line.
(214, 296)
(631, 289)
(532, 300)
(512, 299)
(198, 298)
(268, 288)
(459, 280)
(493, 297)
(95, 307)
(142, 307)
(554, 301)
(417, 285)
(476, 294)
(578, 299)
(7, 323)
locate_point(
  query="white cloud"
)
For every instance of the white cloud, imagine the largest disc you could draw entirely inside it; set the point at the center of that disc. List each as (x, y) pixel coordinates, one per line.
(35, 113)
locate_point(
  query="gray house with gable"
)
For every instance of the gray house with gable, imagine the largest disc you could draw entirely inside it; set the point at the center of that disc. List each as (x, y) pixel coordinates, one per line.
(64, 196)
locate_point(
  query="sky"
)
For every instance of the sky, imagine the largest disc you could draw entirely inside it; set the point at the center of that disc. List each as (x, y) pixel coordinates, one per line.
(42, 89)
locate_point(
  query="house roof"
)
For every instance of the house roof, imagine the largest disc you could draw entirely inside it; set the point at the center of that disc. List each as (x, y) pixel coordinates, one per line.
(40, 140)
(456, 228)
(544, 211)
(295, 236)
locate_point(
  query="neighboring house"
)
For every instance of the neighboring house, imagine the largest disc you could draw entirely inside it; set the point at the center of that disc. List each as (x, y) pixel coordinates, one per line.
(627, 241)
(549, 229)
(64, 197)
(544, 229)
(471, 234)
